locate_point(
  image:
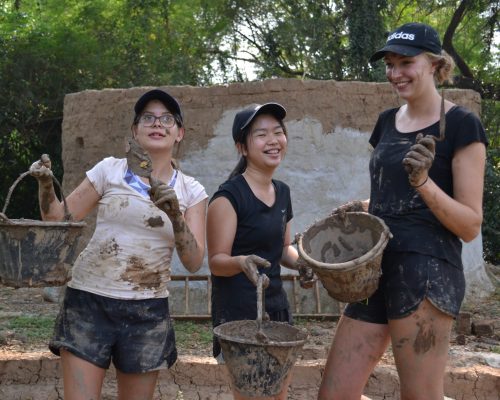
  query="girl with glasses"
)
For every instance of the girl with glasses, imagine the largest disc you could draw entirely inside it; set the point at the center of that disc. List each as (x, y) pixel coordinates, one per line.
(115, 307)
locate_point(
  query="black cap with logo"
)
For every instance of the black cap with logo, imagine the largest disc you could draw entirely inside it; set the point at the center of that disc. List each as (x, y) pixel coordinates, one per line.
(410, 40)
(245, 117)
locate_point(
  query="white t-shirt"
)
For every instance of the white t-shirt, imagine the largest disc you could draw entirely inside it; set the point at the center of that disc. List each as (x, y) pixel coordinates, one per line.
(129, 254)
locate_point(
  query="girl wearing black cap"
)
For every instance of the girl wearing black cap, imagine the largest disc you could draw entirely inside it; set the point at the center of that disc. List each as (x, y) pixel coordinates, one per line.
(116, 304)
(428, 190)
(248, 224)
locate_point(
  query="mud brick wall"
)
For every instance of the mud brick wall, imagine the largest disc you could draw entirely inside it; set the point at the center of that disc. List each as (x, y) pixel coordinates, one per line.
(329, 124)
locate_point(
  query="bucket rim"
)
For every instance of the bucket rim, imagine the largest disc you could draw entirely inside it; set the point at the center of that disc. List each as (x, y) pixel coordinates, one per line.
(291, 343)
(22, 222)
(351, 264)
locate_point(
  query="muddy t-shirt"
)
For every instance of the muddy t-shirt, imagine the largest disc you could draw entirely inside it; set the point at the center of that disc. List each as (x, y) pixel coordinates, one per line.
(413, 225)
(129, 254)
(261, 231)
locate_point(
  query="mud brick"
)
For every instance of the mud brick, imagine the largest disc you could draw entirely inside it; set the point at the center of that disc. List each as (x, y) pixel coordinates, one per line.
(463, 326)
(484, 327)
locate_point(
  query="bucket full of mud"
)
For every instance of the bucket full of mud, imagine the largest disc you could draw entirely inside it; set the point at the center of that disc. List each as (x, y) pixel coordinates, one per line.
(345, 253)
(259, 368)
(37, 253)
(259, 354)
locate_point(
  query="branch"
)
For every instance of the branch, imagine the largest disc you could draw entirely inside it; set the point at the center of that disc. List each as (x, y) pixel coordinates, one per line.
(448, 39)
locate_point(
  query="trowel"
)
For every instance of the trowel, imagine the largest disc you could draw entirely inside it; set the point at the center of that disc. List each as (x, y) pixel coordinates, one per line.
(139, 162)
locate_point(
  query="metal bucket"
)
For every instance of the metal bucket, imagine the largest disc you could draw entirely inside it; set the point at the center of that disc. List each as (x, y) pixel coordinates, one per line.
(37, 253)
(257, 368)
(346, 254)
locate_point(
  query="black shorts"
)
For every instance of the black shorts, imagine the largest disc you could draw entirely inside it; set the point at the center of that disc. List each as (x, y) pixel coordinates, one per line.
(279, 316)
(407, 279)
(137, 335)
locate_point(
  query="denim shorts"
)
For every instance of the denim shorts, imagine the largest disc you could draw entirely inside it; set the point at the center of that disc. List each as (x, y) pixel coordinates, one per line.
(137, 335)
(407, 279)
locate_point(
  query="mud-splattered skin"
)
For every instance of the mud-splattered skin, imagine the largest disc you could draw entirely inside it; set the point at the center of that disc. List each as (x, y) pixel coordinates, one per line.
(165, 198)
(47, 197)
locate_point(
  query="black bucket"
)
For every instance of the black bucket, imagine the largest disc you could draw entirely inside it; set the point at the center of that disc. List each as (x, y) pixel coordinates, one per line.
(257, 368)
(259, 354)
(37, 253)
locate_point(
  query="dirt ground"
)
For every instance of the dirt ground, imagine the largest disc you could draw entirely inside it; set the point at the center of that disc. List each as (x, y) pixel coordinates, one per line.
(465, 350)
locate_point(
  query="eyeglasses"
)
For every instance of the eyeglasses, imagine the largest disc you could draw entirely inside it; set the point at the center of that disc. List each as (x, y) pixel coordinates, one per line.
(167, 121)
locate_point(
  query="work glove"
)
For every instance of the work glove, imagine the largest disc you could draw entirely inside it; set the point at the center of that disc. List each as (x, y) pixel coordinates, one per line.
(41, 170)
(419, 158)
(306, 274)
(165, 198)
(340, 212)
(250, 264)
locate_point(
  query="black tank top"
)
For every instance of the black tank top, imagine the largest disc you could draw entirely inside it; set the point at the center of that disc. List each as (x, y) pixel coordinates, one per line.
(261, 231)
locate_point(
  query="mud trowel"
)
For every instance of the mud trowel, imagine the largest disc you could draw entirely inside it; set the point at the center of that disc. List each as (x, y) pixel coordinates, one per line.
(140, 163)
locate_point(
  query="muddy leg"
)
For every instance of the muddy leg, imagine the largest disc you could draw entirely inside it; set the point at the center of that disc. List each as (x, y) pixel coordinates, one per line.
(82, 380)
(420, 346)
(356, 349)
(136, 386)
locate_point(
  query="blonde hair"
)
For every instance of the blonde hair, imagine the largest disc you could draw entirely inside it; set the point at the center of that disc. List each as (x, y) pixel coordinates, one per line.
(444, 66)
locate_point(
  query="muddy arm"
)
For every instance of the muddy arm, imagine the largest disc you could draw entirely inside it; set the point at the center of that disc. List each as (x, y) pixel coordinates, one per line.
(189, 232)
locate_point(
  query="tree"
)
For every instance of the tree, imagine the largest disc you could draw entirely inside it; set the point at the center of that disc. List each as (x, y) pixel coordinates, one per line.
(54, 47)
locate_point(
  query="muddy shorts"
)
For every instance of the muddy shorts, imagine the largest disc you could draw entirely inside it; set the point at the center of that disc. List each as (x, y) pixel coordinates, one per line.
(137, 335)
(407, 279)
(279, 316)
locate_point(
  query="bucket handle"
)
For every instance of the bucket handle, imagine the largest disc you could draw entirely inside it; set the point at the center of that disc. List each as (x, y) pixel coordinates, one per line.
(67, 215)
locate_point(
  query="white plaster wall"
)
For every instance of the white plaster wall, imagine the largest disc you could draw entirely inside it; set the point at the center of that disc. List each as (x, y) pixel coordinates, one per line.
(330, 168)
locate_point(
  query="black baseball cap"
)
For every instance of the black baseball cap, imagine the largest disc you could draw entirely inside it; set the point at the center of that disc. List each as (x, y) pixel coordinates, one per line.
(245, 117)
(410, 40)
(157, 94)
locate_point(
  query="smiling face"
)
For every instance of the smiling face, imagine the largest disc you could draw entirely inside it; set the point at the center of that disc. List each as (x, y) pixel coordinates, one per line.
(156, 137)
(266, 142)
(409, 76)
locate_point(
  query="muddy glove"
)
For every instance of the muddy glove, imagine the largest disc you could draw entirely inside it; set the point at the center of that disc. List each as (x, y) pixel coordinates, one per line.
(249, 265)
(351, 206)
(41, 170)
(418, 160)
(306, 274)
(165, 198)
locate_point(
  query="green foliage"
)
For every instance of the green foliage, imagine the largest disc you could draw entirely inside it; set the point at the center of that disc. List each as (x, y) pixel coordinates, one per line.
(491, 220)
(35, 328)
(364, 42)
(294, 38)
(51, 48)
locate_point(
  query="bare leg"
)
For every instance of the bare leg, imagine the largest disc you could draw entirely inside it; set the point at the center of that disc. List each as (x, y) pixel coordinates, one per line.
(136, 386)
(420, 344)
(356, 349)
(82, 379)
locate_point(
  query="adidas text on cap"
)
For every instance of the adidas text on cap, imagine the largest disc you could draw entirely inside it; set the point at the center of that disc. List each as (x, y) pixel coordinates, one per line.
(410, 40)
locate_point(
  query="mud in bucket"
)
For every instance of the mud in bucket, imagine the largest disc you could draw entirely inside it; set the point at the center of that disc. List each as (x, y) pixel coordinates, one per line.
(259, 354)
(346, 253)
(37, 253)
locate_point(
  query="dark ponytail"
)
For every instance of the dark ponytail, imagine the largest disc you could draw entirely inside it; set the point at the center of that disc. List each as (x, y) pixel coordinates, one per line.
(240, 167)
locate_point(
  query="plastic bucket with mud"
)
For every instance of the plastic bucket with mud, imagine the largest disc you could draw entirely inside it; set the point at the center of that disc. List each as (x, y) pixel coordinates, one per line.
(37, 253)
(259, 354)
(346, 253)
